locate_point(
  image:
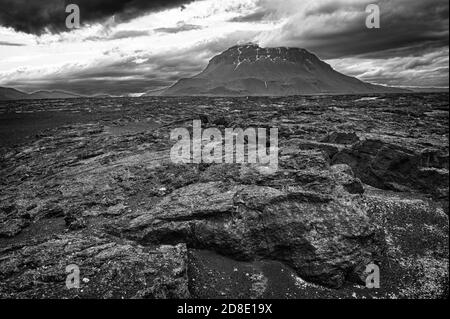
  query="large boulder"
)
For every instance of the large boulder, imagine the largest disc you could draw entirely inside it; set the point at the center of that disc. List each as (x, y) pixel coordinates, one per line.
(323, 238)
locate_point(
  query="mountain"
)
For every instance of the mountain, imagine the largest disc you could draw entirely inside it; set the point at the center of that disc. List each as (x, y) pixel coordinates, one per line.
(13, 94)
(252, 70)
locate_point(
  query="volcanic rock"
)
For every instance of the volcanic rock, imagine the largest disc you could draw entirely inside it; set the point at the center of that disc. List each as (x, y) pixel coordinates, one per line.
(107, 269)
(322, 238)
(388, 165)
(83, 174)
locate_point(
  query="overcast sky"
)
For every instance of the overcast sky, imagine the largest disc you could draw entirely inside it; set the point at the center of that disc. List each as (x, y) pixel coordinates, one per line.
(133, 46)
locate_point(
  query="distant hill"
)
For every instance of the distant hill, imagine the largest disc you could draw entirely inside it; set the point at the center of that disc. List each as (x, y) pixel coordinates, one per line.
(252, 70)
(52, 95)
(13, 94)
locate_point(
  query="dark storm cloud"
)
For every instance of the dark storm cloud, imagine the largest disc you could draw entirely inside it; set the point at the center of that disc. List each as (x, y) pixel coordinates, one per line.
(181, 27)
(11, 44)
(119, 35)
(128, 34)
(418, 49)
(36, 17)
(149, 67)
(437, 78)
(252, 17)
(406, 26)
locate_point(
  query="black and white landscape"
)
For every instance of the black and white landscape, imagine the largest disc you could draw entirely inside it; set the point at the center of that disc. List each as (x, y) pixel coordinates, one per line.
(93, 205)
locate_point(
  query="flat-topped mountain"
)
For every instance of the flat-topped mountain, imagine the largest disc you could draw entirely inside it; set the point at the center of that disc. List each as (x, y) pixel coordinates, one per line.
(252, 70)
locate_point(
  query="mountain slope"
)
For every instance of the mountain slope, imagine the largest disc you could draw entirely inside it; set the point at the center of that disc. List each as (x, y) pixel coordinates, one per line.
(252, 70)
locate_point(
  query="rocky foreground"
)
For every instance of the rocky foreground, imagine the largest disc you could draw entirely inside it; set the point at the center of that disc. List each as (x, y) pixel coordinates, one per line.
(360, 181)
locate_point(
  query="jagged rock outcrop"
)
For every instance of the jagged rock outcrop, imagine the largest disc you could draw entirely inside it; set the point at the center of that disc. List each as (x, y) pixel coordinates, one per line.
(245, 70)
